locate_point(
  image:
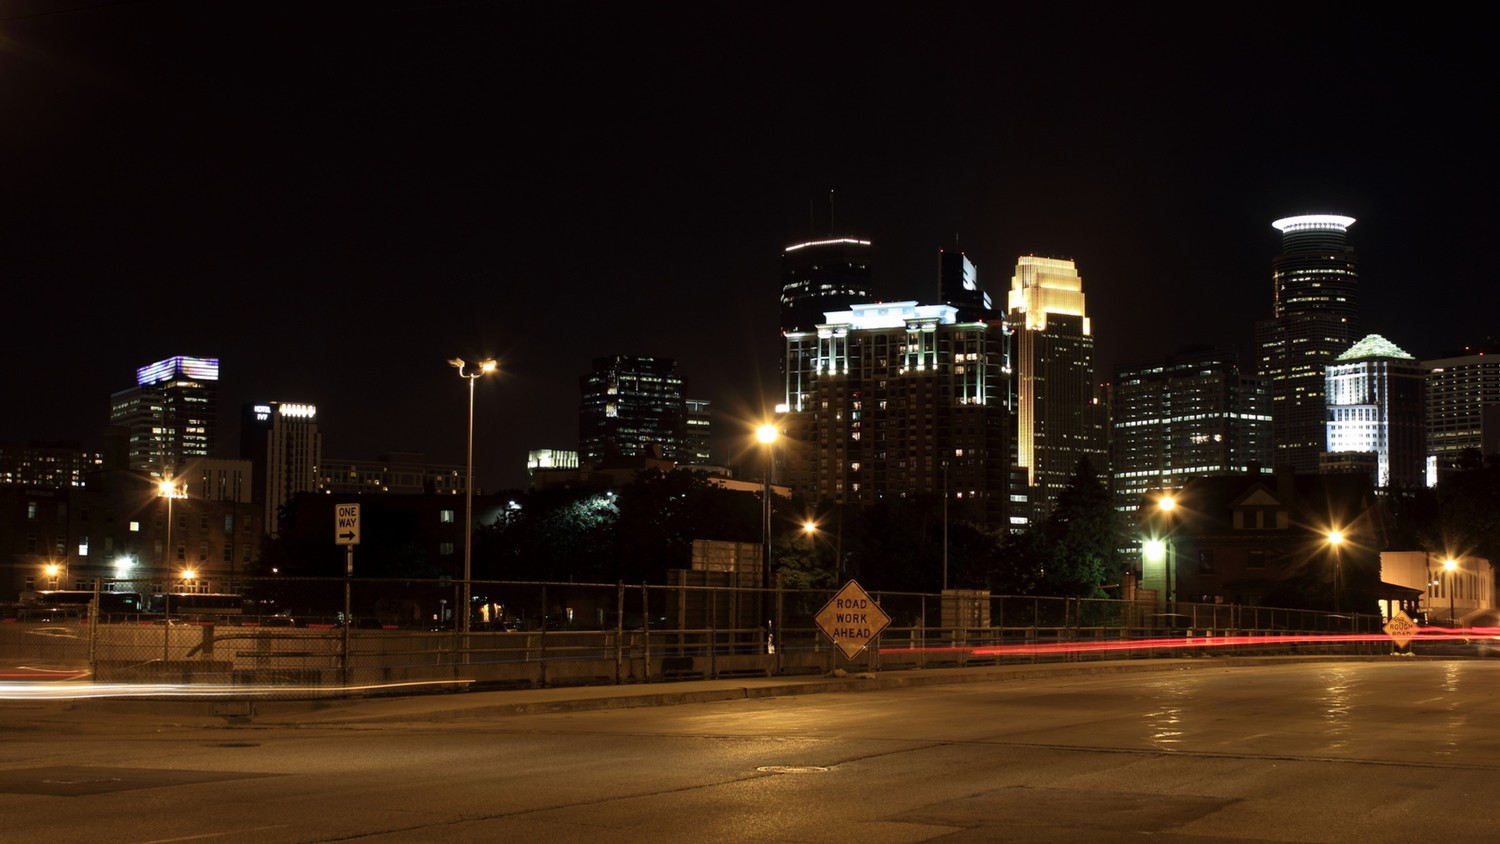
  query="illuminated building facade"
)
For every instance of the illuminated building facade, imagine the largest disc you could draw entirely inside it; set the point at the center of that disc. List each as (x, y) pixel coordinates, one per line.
(171, 414)
(54, 465)
(898, 399)
(1463, 405)
(1060, 416)
(1375, 408)
(395, 473)
(821, 276)
(1315, 316)
(958, 285)
(282, 443)
(635, 406)
(1195, 414)
(699, 432)
(116, 528)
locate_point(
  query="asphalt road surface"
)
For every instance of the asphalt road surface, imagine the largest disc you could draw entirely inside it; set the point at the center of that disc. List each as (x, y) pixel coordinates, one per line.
(1397, 750)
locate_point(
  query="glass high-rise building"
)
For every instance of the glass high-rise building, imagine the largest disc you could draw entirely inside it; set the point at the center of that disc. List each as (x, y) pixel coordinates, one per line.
(1314, 318)
(1060, 414)
(821, 276)
(958, 285)
(1375, 409)
(1463, 404)
(635, 406)
(282, 443)
(170, 415)
(1194, 414)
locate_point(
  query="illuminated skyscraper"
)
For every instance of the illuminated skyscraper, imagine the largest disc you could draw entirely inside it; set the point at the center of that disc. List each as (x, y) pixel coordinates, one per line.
(958, 285)
(1375, 409)
(1315, 317)
(1060, 416)
(1195, 414)
(633, 406)
(171, 414)
(899, 399)
(285, 449)
(821, 276)
(1463, 404)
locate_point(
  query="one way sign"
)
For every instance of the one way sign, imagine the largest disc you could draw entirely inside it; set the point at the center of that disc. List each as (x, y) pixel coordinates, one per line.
(346, 524)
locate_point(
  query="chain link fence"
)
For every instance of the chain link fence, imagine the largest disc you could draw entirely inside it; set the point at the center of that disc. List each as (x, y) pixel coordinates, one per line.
(292, 636)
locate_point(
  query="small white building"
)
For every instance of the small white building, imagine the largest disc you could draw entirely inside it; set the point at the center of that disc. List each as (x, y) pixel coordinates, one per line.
(1450, 595)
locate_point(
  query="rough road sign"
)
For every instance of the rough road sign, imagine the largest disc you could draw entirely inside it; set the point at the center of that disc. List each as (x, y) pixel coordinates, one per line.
(851, 619)
(1401, 629)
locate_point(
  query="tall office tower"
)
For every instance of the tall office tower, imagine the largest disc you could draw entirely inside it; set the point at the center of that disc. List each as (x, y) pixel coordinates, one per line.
(1463, 404)
(958, 285)
(282, 443)
(1194, 414)
(633, 406)
(700, 429)
(1314, 317)
(170, 414)
(901, 399)
(822, 276)
(1376, 417)
(1059, 415)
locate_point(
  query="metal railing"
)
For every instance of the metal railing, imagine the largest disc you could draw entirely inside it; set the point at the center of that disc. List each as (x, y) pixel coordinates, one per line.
(291, 636)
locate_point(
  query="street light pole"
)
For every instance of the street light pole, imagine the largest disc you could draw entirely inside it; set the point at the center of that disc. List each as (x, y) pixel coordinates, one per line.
(481, 368)
(1166, 505)
(1450, 565)
(767, 435)
(945, 526)
(1335, 539)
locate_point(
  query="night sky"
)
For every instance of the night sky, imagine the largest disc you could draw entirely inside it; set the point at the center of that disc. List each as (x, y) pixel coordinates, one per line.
(334, 199)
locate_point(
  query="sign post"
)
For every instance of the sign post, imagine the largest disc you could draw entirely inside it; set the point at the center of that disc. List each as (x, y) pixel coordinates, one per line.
(346, 533)
(851, 619)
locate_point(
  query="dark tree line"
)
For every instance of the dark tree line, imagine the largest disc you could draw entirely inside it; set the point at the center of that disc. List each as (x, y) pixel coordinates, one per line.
(643, 529)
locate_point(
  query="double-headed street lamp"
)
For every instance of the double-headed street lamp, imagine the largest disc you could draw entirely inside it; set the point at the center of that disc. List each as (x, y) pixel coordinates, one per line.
(481, 368)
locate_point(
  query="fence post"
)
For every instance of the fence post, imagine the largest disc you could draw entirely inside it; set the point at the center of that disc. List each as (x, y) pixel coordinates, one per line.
(94, 634)
(646, 631)
(922, 631)
(619, 630)
(713, 633)
(780, 624)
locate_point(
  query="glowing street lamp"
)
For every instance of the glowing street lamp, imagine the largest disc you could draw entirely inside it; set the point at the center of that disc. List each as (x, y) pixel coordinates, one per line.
(53, 572)
(1450, 565)
(1336, 539)
(1157, 549)
(766, 435)
(168, 489)
(483, 367)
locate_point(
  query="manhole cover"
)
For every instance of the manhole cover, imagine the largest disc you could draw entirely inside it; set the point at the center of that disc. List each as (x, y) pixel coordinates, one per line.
(792, 769)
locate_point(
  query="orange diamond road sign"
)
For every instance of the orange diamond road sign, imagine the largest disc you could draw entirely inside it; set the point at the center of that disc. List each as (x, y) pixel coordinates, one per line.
(851, 619)
(1401, 629)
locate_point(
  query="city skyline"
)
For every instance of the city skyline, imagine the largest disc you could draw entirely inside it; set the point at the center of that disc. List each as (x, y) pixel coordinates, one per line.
(337, 207)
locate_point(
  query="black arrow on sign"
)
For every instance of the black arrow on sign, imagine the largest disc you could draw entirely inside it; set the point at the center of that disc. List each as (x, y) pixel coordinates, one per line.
(349, 536)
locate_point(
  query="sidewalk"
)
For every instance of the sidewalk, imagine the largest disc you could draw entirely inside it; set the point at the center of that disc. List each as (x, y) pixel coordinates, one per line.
(374, 707)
